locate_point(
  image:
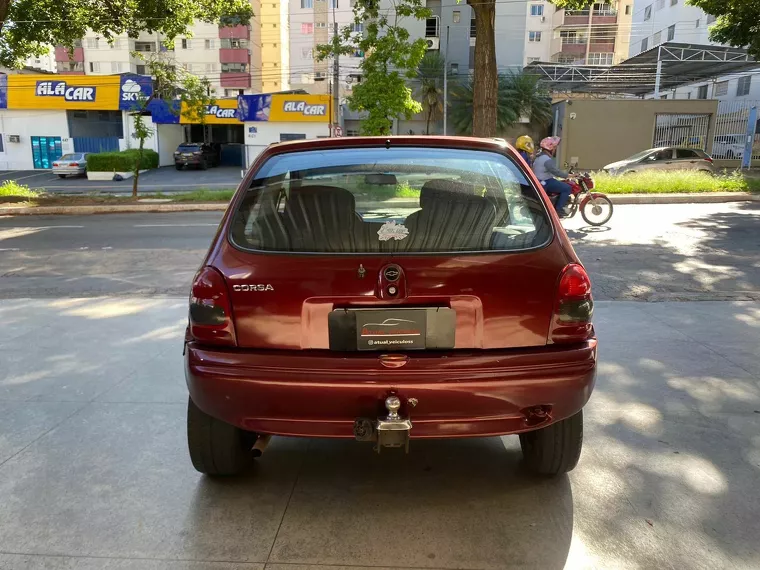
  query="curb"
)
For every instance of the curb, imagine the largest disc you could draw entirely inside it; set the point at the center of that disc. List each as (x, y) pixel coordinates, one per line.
(131, 209)
(617, 199)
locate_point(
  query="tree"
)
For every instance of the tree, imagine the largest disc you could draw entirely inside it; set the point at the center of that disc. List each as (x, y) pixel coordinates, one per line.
(430, 90)
(27, 27)
(518, 95)
(485, 82)
(737, 22)
(184, 92)
(390, 59)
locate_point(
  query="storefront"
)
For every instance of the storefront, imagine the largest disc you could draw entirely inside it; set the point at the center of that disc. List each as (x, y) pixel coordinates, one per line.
(45, 116)
(282, 117)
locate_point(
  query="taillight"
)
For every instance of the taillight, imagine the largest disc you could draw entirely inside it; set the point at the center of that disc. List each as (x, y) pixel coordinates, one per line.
(709, 159)
(55, 164)
(73, 164)
(211, 309)
(571, 321)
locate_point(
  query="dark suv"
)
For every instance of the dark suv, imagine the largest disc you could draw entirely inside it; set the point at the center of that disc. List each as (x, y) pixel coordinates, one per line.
(201, 155)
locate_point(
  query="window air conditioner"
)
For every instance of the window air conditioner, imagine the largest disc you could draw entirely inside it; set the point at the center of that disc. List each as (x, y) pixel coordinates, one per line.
(433, 43)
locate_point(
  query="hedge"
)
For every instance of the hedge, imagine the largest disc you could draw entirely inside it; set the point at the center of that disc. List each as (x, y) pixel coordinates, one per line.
(123, 161)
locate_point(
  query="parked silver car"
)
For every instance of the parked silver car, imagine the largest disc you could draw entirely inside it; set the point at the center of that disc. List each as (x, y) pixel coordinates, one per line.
(74, 163)
(729, 146)
(664, 158)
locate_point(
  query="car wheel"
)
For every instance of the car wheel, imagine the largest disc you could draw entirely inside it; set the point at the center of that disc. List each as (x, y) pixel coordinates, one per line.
(61, 176)
(216, 447)
(178, 166)
(555, 449)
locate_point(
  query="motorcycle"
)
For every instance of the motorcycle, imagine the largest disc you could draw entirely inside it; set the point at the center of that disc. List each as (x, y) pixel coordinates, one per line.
(596, 208)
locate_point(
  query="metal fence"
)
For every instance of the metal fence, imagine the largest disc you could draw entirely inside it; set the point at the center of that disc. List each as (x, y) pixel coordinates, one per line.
(672, 129)
(731, 130)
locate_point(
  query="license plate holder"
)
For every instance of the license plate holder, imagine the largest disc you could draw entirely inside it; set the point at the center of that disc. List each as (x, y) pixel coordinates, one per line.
(425, 328)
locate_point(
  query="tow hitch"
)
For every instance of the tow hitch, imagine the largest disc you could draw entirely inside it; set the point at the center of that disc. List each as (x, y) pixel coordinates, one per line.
(389, 431)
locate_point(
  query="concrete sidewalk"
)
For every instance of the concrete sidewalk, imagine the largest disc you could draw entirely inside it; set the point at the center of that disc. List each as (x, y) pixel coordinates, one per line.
(94, 472)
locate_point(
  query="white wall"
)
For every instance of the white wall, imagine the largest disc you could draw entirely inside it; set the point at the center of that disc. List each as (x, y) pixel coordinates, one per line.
(129, 141)
(541, 50)
(510, 45)
(690, 22)
(268, 133)
(26, 124)
(169, 138)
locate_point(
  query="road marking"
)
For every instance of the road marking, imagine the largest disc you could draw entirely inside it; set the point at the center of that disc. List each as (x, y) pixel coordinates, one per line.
(104, 248)
(38, 227)
(9, 172)
(33, 175)
(174, 225)
(9, 249)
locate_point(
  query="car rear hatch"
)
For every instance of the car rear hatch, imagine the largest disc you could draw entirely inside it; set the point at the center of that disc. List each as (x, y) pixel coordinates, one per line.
(403, 249)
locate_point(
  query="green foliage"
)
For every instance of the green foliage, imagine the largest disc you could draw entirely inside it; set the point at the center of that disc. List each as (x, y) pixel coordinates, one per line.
(16, 190)
(737, 22)
(390, 60)
(430, 89)
(27, 27)
(679, 181)
(520, 95)
(195, 94)
(124, 161)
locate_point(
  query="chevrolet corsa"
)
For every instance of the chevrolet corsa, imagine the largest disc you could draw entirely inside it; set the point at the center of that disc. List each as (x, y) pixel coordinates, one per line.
(328, 307)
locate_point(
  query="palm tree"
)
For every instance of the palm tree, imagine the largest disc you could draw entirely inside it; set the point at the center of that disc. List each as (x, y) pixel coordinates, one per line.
(430, 90)
(519, 95)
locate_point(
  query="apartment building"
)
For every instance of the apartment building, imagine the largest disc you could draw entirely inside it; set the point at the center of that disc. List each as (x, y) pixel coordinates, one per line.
(45, 62)
(237, 59)
(658, 21)
(312, 22)
(597, 35)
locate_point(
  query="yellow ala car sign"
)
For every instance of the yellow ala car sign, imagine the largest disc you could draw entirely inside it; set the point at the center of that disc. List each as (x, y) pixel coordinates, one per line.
(220, 112)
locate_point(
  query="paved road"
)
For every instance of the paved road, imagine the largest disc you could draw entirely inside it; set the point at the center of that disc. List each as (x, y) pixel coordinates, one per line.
(94, 472)
(165, 179)
(704, 251)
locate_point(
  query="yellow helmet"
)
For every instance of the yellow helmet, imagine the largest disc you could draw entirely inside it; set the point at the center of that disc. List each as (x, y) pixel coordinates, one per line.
(525, 143)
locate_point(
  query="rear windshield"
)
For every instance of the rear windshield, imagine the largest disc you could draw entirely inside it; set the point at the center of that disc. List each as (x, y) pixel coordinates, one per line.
(71, 157)
(190, 146)
(378, 200)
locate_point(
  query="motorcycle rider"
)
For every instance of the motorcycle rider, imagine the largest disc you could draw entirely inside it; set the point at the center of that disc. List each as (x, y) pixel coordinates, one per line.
(545, 169)
(526, 148)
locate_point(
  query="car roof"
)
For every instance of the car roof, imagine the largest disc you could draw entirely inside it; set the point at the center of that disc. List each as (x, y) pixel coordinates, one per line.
(464, 143)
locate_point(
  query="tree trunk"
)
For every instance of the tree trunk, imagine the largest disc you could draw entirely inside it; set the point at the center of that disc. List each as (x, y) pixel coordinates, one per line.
(5, 7)
(427, 120)
(486, 80)
(137, 169)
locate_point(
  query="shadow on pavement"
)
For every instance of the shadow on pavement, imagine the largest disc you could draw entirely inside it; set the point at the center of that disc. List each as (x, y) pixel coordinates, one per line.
(717, 260)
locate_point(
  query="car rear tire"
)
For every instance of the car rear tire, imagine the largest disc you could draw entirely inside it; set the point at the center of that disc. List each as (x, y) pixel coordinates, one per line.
(178, 166)
(204, 164)
(555, 449)
(216, 447)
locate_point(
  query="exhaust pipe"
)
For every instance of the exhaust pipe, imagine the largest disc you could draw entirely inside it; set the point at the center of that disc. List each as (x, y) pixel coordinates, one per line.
(261, 444)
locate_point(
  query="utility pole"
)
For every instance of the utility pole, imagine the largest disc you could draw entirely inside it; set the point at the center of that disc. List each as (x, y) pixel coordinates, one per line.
(336, 80)
(446, 83)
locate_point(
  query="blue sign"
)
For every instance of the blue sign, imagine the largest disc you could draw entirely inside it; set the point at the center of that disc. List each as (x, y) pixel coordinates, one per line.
(748, 144)
(3, 91)
(61, 89)
(254, 107)
(162, 113)
(133, 89)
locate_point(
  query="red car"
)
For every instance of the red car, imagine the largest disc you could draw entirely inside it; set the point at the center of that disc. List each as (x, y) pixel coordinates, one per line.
(328, 306)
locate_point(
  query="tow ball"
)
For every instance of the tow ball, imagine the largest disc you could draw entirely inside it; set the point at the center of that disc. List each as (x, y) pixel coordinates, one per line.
(389, 431)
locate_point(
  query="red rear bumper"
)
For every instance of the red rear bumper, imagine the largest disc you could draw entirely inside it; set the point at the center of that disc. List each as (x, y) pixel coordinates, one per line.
(320, 394)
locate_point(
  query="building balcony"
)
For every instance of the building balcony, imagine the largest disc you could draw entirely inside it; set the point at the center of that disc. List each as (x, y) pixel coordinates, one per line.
(601, 47)
(62, 54)
(234, 55)
(573, 48)
(230, 32)
(606, 19)
(235, 80)
(576, 19)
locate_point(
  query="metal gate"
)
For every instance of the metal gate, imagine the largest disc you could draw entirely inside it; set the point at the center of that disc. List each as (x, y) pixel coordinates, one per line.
(673, 129)
(96, 144)
(731, 130)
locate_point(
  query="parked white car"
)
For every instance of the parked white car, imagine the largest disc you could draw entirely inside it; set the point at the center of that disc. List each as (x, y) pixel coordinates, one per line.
(729, 146)
(74, 164)
(664, 158)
